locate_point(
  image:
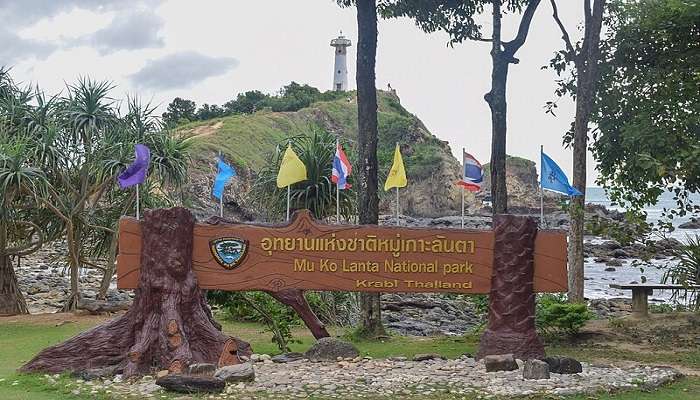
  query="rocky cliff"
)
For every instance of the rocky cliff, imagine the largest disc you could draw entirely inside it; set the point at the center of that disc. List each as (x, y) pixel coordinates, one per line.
(432, 170)
(246, 140)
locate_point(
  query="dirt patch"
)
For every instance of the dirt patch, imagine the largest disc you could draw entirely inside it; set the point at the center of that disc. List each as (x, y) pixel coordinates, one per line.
(204, 131)
(57, 319)
(659, 332)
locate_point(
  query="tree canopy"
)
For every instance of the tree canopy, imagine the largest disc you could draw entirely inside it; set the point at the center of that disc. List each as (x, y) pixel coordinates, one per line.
(648, 113)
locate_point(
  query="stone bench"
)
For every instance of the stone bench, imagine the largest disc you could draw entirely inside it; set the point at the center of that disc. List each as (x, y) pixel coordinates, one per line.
(641, 292)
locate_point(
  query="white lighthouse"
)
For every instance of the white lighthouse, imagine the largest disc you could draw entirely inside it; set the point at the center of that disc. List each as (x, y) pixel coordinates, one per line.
(340, 72)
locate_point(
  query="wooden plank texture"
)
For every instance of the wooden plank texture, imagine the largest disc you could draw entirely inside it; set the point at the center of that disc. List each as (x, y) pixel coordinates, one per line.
(305, 254)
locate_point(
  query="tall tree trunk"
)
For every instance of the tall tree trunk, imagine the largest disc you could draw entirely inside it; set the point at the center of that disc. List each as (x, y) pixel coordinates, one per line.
(11, 299)
(502, 55)
(109, 268)
(586, 63)
(370, 306)
(74, 263)
(496, 99)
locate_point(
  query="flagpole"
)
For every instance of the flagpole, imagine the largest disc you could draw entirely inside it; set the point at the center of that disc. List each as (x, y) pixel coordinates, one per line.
(138, 201)
(542, 223)
(397, 206)
(337, 189)
(464, 180)
(221, 199)
(462, 207)
(289, 197)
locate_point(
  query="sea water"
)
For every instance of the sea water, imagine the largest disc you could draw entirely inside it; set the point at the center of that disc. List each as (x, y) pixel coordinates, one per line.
(597, 284)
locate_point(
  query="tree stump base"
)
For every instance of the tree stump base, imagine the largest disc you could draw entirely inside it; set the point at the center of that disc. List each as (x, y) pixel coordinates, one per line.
(169, 325)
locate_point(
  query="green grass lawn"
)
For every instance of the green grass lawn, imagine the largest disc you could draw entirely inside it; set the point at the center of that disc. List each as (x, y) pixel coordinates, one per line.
(19, 341)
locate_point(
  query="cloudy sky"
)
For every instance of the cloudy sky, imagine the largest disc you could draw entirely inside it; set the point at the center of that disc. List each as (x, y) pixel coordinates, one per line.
(209, 51)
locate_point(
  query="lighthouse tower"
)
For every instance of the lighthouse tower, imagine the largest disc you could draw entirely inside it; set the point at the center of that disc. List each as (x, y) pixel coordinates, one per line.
(340, 72)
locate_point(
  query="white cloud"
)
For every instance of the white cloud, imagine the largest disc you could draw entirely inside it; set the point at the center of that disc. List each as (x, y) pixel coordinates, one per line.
(181, 70)
(134, 31)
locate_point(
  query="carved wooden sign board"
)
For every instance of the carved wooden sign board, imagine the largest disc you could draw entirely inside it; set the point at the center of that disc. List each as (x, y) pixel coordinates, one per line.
(305, 254)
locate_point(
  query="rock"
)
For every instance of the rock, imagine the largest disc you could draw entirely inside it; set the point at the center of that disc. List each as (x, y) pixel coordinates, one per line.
(287, 357)
(96, 373)
(611, 245)
(191, 384)
(427, 356)
(329, 349)
(694, 223)
(563, 365)
(202, 369)
(619, 253)
(610, 269)
(501, 362)
(236, 373)
(535, 369)
(614, 263)
(162, 373)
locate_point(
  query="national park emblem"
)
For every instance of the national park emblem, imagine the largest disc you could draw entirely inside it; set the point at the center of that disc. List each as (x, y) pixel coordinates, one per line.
(229, 251)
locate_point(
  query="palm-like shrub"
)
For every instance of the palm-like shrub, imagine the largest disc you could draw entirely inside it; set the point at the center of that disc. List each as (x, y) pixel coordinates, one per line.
(687, 272)
(80, 142)
(21, 186)
(318, 193)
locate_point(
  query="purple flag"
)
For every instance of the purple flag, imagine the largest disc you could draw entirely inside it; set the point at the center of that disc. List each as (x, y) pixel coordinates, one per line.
(136, 172)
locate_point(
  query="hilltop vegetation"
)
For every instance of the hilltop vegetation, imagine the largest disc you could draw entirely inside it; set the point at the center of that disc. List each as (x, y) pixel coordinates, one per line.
(247, 139)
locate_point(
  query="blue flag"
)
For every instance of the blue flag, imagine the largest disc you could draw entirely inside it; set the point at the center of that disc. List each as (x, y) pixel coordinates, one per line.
(226, 172)
(553, 178)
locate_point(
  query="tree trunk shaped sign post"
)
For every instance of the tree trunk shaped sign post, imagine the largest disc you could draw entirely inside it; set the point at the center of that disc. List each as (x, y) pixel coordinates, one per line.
(169, 325)
(511, 326)
(168, 259)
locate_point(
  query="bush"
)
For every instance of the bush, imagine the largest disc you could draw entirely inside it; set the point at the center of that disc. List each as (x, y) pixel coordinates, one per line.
(259, 307)
(554, 316)
(317, 193)
(332, 308)
(687, 273)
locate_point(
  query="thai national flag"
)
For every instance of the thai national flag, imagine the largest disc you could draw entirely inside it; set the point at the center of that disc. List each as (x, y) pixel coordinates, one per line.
(473, 174)
(341, 169)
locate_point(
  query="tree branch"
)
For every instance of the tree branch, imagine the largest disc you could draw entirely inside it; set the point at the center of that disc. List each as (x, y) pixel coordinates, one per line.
(511, 47)
(564, 33)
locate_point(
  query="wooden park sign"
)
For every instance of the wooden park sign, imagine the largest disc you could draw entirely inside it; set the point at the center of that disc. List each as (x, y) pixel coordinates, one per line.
(308, 255)
(168, 257)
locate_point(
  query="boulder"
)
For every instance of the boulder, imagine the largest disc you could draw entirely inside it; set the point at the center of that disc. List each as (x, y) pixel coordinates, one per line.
(427, 356)
(191, 384)
(236, 373)
(610, 269)
(620, 253)
(535, 369)
(563, 365)
(329, 349)
(287, 357)
(202, 369)
(614, 263)
(694, 223)
(500, 362)
(611, 245)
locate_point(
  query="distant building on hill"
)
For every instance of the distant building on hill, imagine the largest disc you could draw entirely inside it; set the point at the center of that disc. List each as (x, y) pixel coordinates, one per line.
(340, 72)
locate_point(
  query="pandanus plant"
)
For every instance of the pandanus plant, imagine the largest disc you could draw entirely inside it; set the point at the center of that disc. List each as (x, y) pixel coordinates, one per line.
(21, 187)
(317, 193)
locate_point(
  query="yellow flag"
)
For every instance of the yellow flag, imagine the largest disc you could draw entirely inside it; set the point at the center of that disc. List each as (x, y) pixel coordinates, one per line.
(292, 169)
(397, 174)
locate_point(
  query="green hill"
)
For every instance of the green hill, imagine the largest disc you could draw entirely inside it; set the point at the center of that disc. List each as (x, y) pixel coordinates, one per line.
(248, 139)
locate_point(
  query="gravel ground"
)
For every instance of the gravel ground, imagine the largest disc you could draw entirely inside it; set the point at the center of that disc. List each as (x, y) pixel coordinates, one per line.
(398, 378)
